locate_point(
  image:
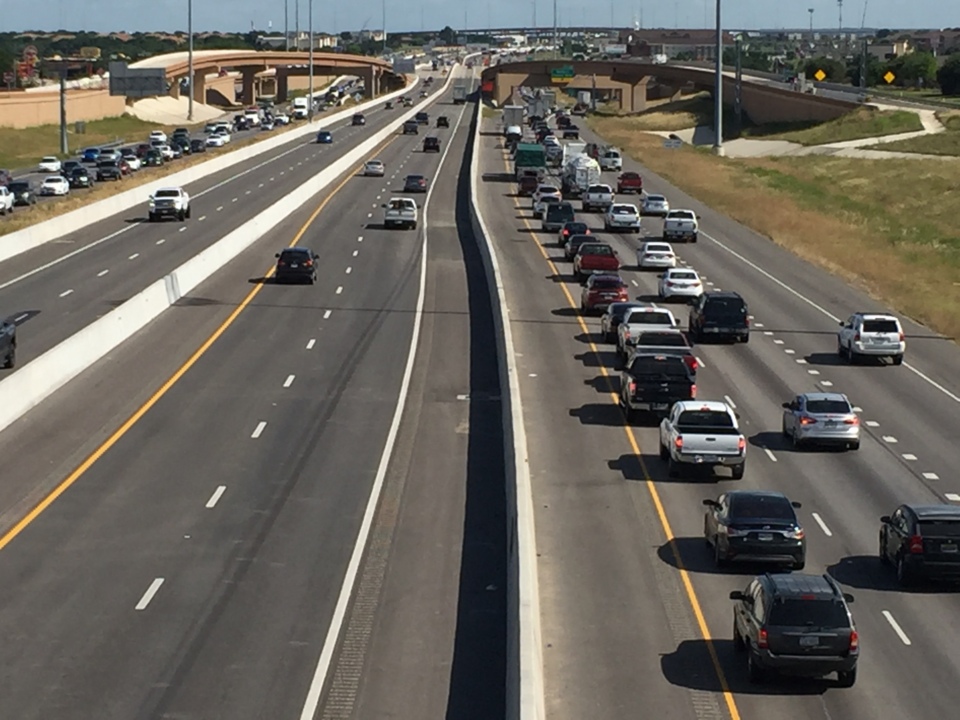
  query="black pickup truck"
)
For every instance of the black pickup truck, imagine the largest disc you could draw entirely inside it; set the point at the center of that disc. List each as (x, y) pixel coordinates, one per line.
(654, 382)
(8, 344)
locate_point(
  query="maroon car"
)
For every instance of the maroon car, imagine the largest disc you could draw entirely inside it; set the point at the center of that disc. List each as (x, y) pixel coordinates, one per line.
(629, 182)
(595, 258)
(528, 185)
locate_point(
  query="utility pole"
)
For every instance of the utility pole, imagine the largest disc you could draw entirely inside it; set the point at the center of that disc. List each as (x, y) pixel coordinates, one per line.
(738, 88)
(310, 75)
(286, 25)
(64, 149)
(810, 10)
(718, 89)
(534, 3)
(840, 10)
(556, 50)
(190, 60)
(863, 67)
(296, 22)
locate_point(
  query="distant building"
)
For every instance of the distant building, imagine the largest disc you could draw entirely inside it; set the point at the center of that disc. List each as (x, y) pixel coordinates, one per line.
(889, 50)
(697, 44)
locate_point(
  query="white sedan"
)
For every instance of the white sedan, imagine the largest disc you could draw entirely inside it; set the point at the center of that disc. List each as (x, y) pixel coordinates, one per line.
(49, 164)
(224, 134)
(281, 119)
(55, 185)
(158, 135)
(215, 140)
(373, 168)
(658, 255)
(622, 216)
(680, 282)
(133, 162)
(655, 205)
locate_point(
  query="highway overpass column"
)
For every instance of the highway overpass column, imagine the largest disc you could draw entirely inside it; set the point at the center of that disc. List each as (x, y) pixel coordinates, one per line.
(175, 88)
(638, 95)
(199, 86)
(368, 76)
(249, 76)
(283, 84)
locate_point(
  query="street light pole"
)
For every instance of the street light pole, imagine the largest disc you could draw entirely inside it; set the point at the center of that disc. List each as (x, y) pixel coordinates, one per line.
(310, 74)
(286, 25)
(718, 89)
(190, 60)
(556, 50)
(385, 25)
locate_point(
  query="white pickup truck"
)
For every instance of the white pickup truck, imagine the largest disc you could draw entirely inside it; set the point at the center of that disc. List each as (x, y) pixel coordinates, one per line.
(597, 197)
(681, 225)
(702, 433)
(639, 320)
(171, 202)
(400, 212)
(6, 200)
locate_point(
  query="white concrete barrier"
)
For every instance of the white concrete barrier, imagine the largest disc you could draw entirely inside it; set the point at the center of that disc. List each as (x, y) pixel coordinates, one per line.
(525, 684)
(37, 380)
(35, 235)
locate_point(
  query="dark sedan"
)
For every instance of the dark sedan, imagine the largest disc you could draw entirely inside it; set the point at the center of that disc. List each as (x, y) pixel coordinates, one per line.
(198, 146)
(80, 178)
(415, 183)
(324, 137)
(755, 525)
(109, 170)
(23, 193)
(297, 264)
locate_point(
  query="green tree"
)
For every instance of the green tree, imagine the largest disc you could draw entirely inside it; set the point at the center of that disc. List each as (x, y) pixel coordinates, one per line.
(448, 36)
(834, 70)
(949, 75)
(915, 68)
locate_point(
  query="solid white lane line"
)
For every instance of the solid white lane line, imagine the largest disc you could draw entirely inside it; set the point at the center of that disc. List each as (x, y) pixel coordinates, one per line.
(311, 343)
(134, 256)
(822, 524)
(770, 454)
(327, 314)
(148, 595)
(889, 439)
(930, 476)
(952, 497)
(319, 678)
(215, 498)
(339, 289)
(356, 252)
(349, 270)
(102, 273)
(289, 381)
(258, 431)
(871, 423)
(730, 401)
(896, 627)
(908, 456)
(65, 293)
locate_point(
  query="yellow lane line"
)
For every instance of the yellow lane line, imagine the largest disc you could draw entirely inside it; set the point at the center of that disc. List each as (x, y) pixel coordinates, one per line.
(65, 484)
(648, 479)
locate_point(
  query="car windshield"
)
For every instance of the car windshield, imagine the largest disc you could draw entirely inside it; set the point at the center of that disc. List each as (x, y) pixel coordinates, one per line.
(761, 507)
(665, 339)
(880, 326)
(811, 613)
(167, 193)
(682, 275)
(828, 406)
(607, 283)
(705, 418)
(596, 250)
(630, 176)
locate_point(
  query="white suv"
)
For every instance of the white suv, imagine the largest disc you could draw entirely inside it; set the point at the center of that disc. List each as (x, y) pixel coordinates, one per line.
(873, 335)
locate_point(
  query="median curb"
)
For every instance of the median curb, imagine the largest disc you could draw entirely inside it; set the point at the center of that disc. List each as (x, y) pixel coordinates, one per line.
(524, 682)
(33, 236)
(37, 380)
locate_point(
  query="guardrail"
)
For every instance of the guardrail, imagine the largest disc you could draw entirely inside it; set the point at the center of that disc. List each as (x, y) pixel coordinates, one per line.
(525, 684)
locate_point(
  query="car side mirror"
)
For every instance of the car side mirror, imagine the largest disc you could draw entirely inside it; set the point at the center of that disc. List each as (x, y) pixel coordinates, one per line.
(786, 406)
(709, 503)
(277, 255)
(840, 323)
(885, 519)
(736, 415)
(383, 205)
(848, 597)
(698, 217)
(739, 595)
(796, 504)
(316, 256)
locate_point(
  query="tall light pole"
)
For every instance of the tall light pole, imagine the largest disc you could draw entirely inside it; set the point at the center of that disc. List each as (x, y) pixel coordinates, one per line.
(556, 50)
(840, 10)
(310, 72)
(718, 90)
(286, 25)
(190, 60)
(534, 3)
(385, 25)
(810, 10)
(296, 23)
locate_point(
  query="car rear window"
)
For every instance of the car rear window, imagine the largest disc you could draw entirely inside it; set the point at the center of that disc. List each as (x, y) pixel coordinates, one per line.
(650, 318)
(630, 176)
(881, 326)
(664, 339)
(683, 275)
(596, 250)
(598, 189)
(726, 306)
(660, 366)
(656, 198)
(705, 418)
(828, 406)
(761, 507)
(809, 613)
(167, 193)
(295, 255)
(623, 210)
(560, 211)
(940, 528)
(682, 215)
(657, 248)
(606, 283)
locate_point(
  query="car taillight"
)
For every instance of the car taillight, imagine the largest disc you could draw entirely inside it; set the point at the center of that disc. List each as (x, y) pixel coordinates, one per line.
(902, 336)
(280, 263)
(691, 362)
(633, 387)
(741, 444)
(308, 263)
(852, 421)
(916, 545)
(854, 641)
(856, 338)
(763, 640)
(670, 284)
(678, 443)
(693, 391)
(748, 321)
(807, 421)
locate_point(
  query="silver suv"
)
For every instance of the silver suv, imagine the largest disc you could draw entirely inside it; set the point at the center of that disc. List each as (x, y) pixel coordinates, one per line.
(871, 335)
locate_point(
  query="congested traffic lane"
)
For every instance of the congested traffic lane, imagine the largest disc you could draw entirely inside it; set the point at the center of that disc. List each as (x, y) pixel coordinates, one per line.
(602, 490)
(101, 267)
(210, 540)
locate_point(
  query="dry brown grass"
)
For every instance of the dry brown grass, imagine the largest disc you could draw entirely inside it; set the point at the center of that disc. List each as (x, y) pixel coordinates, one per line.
(888, 226)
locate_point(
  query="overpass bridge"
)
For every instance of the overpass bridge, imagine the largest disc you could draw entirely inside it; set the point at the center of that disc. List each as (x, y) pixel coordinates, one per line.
(377, 74)
(633, 82)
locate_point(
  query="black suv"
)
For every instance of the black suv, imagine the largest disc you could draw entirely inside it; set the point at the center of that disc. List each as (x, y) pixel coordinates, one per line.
(754, 525)
(422, 118)
(721, 315)
(297, 263)
(411, 127)
(8, 344)
(80, 178)
(443, 121)
(431, 144)
(109, 170)
(922, 542)
(359, 119)
(796, 624)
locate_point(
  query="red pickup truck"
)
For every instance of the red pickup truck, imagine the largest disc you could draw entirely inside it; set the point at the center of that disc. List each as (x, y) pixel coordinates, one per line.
(595, 258)
(629, 182)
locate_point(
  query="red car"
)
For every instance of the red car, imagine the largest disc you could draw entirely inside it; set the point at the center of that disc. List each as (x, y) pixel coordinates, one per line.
(629, 182)
(602, 290)
(595, 258)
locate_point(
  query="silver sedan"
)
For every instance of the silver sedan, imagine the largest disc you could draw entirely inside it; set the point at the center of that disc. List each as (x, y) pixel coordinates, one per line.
(821, 419)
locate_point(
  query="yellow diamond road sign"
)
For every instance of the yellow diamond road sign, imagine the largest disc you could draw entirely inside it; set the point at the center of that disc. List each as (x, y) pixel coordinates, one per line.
(889, 77)
(820, 75)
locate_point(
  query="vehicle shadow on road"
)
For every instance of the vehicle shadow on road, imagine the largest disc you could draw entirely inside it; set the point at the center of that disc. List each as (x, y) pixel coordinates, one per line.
(824, 359)
(495, 177)
(565, 311)
(262, 280)
(604, 384)
(601, 358)
(696, 556)
(632, 466)
(691, 666)
(603, 413)
(864, 572)
(770, 440)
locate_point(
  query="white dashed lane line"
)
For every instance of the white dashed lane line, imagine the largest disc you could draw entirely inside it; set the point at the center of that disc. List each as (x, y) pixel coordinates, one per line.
(770, 454)
(801, 361)
(215, 498)
(778, 342)
(890, 439)
(339, 289)
(822, 524)
(896, 627)
(759, 325)
(220, 208)
(65, 293)
(183, 229)
(247, 192)
(857, 409)
(134, 256)
(730, 401)
(349, 270)
(102, 273)
(289, 381)
(327, 314)
(311, 343)
(148, 595)
(813, 372)
(788, 351)
(952, 497)
(908, 456)
(701, 363)
(826, 383)
(19, 318)
(234, 200)
(872, 423)
(356, 252)
(201, 218)
(161, 241)
(258, 431)
(360, 239)
(930, 476)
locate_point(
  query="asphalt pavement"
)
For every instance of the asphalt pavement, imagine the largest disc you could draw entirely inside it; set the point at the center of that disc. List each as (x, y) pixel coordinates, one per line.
(194, 564)
(629, 592)
(58, 288)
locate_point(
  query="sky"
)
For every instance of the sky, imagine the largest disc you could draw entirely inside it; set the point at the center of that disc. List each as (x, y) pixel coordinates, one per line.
(332, 16)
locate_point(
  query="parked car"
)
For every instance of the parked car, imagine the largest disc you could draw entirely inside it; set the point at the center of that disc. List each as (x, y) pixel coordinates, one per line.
(24, 194)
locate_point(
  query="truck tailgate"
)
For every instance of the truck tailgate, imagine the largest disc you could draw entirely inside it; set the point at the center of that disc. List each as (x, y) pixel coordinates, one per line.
(660, 391)
(710, 441)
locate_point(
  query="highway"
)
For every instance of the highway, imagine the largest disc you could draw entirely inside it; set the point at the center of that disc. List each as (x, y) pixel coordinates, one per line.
(633, 610)
(201, 558)
(58, 288)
